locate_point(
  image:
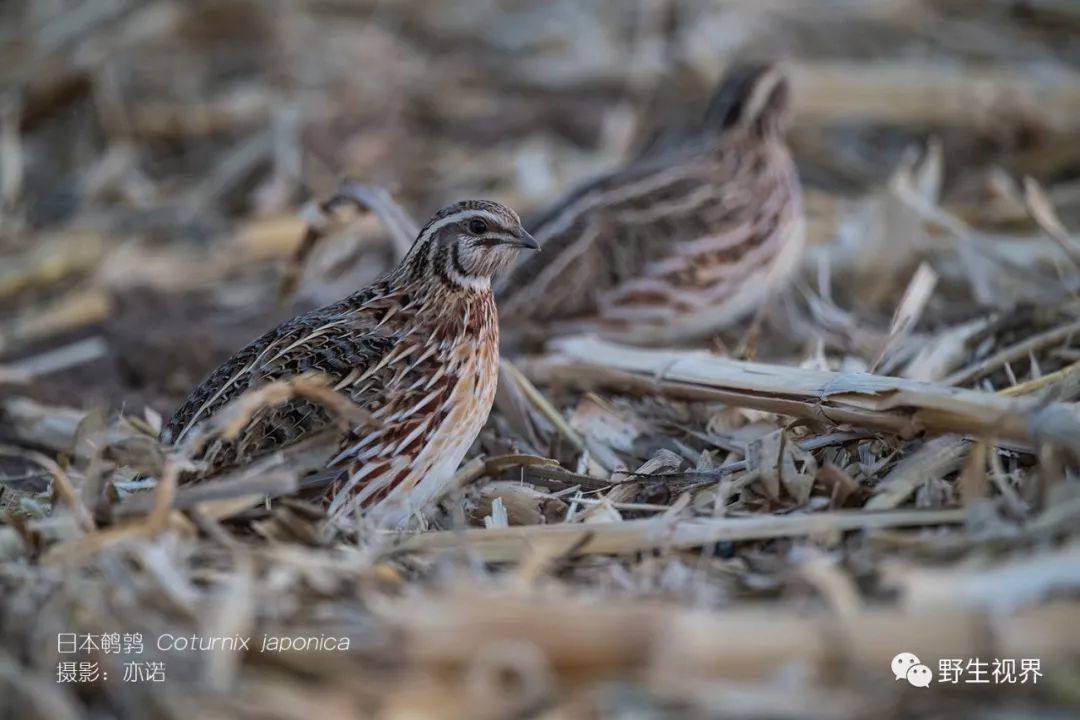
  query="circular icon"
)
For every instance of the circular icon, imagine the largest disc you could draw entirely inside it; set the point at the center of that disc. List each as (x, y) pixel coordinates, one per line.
(919, 676)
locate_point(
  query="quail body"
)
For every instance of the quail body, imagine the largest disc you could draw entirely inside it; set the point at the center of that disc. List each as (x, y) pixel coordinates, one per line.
(680, 243)
(417, 351)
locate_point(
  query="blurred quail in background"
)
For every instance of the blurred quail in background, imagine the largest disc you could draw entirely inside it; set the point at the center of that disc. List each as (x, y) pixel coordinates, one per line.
(678, 244)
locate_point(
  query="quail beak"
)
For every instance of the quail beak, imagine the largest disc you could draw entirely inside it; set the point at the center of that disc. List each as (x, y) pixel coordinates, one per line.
(524, 240)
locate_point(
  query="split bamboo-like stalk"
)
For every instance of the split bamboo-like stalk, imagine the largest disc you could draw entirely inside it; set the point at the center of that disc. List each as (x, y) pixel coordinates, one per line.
(906, 407)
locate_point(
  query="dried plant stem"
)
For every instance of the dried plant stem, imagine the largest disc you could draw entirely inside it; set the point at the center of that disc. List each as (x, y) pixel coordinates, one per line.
(896, 405)
(933, 459)
(1036, 384)
(577, 636)
(256, 481)
(928, 93)
(1013, 353)
(542, 405)
(508, 544)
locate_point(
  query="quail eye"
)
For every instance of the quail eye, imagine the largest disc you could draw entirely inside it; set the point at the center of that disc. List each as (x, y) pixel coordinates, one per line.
(477, 227)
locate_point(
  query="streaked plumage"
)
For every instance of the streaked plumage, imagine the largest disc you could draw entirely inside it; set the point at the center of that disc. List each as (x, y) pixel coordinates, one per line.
(418, 350)
(680, 243)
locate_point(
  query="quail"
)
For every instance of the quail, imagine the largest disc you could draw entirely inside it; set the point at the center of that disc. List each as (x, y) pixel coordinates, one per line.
(417, 351)
(680, 243)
